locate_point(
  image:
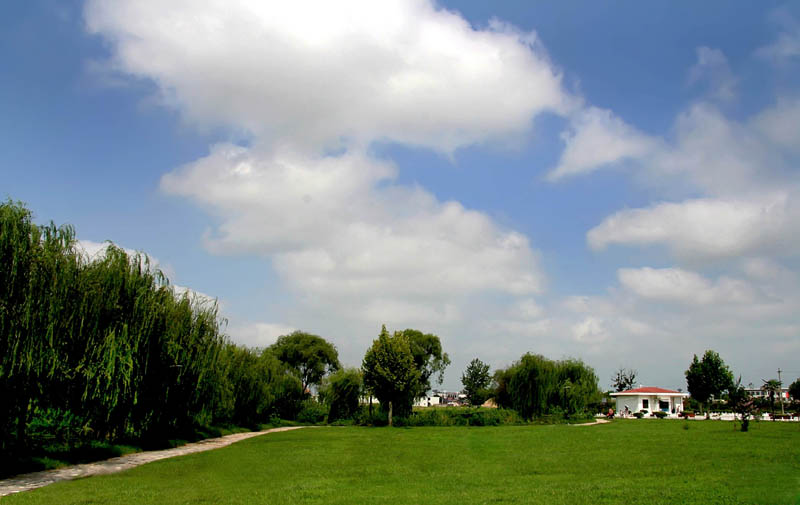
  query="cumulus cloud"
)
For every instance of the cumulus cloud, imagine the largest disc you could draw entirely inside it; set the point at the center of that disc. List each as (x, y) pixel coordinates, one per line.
(704, 228)
(683, 286)
(337, 226)
(786, 46)
(258, 334)
(779, 124)
(712, 69)
(316, 73)
(598, 138)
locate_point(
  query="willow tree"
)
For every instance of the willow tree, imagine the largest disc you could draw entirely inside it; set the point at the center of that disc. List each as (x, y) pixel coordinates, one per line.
(535, 386)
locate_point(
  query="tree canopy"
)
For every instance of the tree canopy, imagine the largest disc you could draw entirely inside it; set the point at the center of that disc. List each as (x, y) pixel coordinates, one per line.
(310, 356)
(476, 379)
(390, 372)
(708, 376)
(624, 379)
(430, 361)
(794, 390)
(535, 385)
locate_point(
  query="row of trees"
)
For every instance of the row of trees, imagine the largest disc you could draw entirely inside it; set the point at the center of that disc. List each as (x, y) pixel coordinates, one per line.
(104, 349)
(398, 368)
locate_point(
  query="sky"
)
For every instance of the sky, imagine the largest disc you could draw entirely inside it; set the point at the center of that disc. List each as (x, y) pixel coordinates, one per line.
(617, 182)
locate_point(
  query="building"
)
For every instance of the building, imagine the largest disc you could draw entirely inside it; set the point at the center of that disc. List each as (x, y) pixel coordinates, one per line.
(649, 400)
(429, 400)
(761, 393)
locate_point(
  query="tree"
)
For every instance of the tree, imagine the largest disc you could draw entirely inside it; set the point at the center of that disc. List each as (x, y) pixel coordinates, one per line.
(708, 376)
(310, 356)
(772, 387)
(429, 359)
(794, 390)
(535, 386)
(741, 403)
(390, 372)
(341, 391)
(475, 380)
(623, 379)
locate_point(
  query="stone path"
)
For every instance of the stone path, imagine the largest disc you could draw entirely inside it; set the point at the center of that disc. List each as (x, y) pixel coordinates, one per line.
(28, 481)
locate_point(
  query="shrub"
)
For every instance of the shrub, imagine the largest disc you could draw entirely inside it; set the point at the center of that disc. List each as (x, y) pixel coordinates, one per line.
(474, 416)
(660, 415)
(638, 415)
(312, 412)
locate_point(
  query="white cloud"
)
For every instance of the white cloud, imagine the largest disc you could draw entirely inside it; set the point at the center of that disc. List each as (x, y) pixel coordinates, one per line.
(682, 286)
(787, 44)
(704, 228)
(598, 138)
(781, 124)
(337, 227)
(712, 68)
(258, 334)
(590, 330)
(311, 73)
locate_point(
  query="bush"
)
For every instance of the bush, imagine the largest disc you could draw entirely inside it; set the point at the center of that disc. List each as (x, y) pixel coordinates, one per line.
(659, 414)
(466, 416)
(638, 415)
(312, 412)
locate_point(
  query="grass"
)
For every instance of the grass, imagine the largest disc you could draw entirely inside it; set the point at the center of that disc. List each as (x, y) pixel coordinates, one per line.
(648, 461)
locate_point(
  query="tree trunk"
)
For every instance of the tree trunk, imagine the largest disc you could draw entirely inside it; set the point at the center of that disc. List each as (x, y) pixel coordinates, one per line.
(390, 413)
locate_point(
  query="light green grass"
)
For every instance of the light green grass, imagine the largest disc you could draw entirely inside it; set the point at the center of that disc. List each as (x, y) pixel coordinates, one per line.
(647, 461)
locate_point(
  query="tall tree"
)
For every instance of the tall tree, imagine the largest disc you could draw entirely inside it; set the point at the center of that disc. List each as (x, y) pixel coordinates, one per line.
(475, 379)
(623, 379)
(310, 356)
(390, 373)
(708, 376)
(426, 348)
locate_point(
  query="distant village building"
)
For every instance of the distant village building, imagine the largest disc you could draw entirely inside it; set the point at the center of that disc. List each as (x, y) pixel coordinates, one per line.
(761, 393)
(649, 400)
(429, 400)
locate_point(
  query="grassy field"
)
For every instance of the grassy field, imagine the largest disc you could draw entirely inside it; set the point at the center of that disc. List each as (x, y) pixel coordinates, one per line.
(648, 461)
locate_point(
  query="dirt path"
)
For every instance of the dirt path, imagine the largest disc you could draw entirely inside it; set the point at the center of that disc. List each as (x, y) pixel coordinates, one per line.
(599, 421)
(28, 481)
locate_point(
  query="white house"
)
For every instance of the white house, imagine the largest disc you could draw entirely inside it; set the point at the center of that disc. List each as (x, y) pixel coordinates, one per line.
(428, 401)
(650, 400)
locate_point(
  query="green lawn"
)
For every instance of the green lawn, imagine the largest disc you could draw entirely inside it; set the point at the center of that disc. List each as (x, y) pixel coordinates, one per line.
(646, 461)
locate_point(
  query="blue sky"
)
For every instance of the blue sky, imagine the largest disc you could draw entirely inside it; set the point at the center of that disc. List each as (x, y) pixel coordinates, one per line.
(613, 183)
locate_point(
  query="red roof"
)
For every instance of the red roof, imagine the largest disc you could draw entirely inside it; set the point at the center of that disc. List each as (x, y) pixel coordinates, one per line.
(651, 391)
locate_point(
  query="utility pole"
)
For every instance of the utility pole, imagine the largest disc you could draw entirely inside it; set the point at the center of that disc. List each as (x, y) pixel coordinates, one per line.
(780, 391)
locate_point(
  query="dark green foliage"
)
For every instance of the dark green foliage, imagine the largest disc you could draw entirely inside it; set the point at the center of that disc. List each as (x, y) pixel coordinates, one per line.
(429, 359)
(312, 412)
(439, 416)
(476, 379)
(310, 356)
(103, 350)
(707, 377)
(536, 386)
(623, 379)
(342, 391)
(390, 373)
(794, 390)
(659, 414)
